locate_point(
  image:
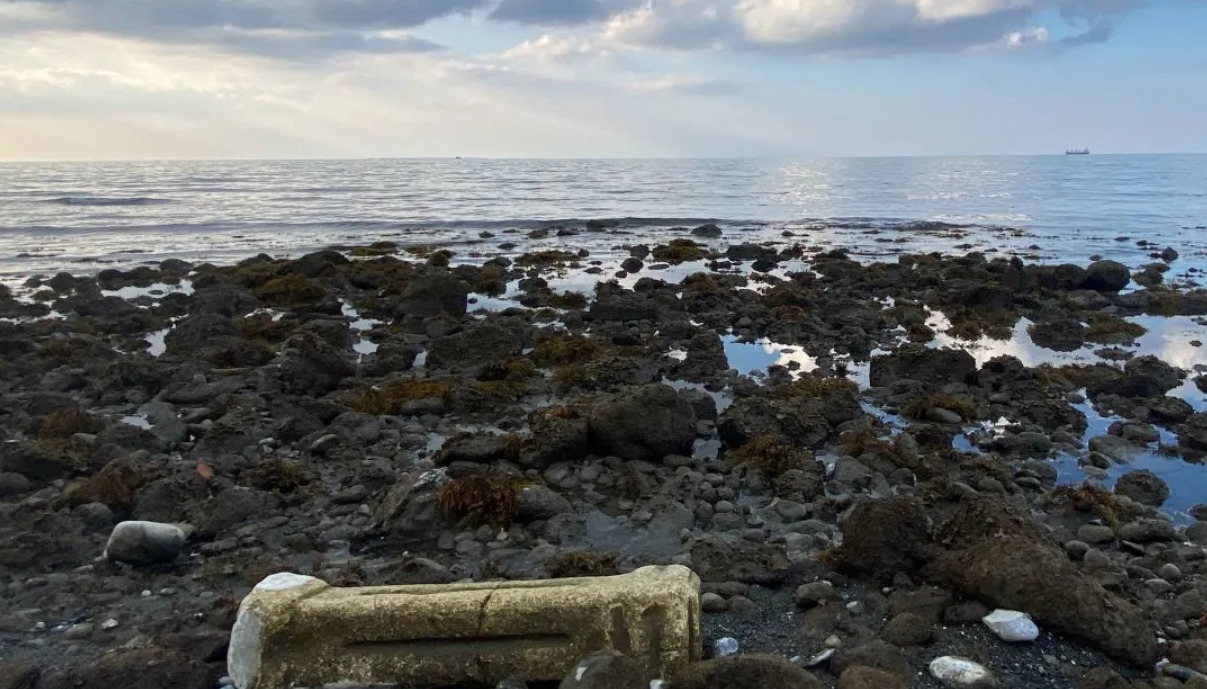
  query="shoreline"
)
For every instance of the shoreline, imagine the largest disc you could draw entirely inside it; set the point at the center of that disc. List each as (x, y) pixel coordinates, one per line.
(806, 403)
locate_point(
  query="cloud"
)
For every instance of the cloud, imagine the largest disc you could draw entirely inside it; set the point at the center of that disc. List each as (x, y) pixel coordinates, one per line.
(282, 28)
(684, 83)
(559, 12)
(549, 48)
(859, 27)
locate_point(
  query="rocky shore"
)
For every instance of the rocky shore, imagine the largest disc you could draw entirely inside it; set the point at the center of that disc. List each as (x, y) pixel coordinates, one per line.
(390, 415)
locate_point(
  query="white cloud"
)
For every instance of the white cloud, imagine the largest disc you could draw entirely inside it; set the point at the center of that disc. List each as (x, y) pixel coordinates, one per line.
(684, 83)
(549, 48)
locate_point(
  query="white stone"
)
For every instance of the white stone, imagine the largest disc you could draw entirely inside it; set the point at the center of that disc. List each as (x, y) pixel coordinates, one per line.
(1011, 625)
(959, 672)
(144, 543)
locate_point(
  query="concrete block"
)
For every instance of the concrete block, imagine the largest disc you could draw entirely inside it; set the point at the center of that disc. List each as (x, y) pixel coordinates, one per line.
(297, 631)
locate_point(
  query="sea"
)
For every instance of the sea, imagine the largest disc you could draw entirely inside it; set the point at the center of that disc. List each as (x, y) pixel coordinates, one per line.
(85, 216)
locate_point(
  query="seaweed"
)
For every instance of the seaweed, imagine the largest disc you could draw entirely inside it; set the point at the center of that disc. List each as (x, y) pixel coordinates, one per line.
(770, 455)
(63, 423)
(547, 259)
(291, 290)
(1108, 329)
(809, 386)
(963, 406)
(391, 397)
(484, 499)
(582, 563)
(564, 350)
(679, 251)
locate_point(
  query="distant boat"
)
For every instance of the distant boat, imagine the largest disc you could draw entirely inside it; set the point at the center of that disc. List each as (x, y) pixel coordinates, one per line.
(1077, 152)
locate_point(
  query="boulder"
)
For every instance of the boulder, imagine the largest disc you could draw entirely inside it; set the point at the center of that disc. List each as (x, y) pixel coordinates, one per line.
(1019, 572)
(144, 543)
(390, 357)
(708, 231)
(436, 294)
(143, 668)
(883, 537)
(606, 670)
(1064, 335)
(1106, 276)
(1144, 487)
(555, 438)
(474, 348)
(644, 423)
(308, 366)
(720, 559)
(540, 502)
(908, 629)
(745, 672)
(933, 367)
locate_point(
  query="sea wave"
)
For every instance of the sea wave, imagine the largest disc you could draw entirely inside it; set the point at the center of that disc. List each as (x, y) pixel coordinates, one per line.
(108, 201)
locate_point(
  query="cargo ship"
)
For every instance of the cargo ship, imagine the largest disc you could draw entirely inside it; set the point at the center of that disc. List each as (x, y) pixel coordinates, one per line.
(1077, 152)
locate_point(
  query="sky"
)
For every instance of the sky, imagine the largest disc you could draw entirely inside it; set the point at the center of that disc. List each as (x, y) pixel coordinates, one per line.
(152, 79)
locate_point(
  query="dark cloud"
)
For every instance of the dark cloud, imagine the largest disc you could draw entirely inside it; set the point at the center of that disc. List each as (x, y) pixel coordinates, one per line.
(559, 12)
(282, 28)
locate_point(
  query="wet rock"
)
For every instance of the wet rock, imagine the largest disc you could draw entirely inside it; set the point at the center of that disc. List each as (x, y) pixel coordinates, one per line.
(721, 559)
(1144, 487)
(606, 670)
(1191, 654)
(815, 593)
(957, 672)
(33, 462)
(409, 512)
(705, 359)
(540, 502)
(1095, 534)
(874, 654)
(143, 668)
(908, 629)
(1145, 376)
(390, 357)
(12, 484)
(144, 543)
(1148, 531)
(478, 448)
(712, 603)
(863, 677)
(935, 367)
(883, 537)
(16, 675)
(1062, 336)
(632, 265)
(474, 348)
(709, 231)
(307, 365)
(1011, 626)
(555, 439)
(1113, 447)
(644, 423)
(435, 294)
(744, 672)
(1020, 573)
(1169, 254)
(1106, 276)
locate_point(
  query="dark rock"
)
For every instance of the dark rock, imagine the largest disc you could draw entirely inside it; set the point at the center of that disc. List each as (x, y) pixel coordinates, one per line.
(863, 677)
(632, 265)
(12, 483)
(1021, 573)
(908, 629)
(884, 537)
(143, 668)
(197, 332)
(705, 359)
(1103, 678)
(1062, 336)
(745, 672)
(1148, 531)
(390, 357)
(541, 502)
(436, 294)
(875, 654)
(606, 670)
(721, 559)
(1144, 487)
(644, 423)
(709, 231)
(16, 675)
(1106, 276)
(409, 512)
(555, 439)
(479, 448)
(35, 463)
(307, 366)
(474, 348)
(1191, 654)
(746, 252)
(930, 366)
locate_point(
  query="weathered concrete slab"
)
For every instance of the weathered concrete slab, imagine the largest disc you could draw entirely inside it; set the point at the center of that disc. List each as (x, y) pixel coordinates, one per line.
(297, 631)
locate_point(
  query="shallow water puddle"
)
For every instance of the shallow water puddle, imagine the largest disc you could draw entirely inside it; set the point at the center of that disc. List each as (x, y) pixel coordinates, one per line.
(155, 341)
(363, 346)
(750, 357)
(138, 421)
(158, 290)
(1187, 481)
